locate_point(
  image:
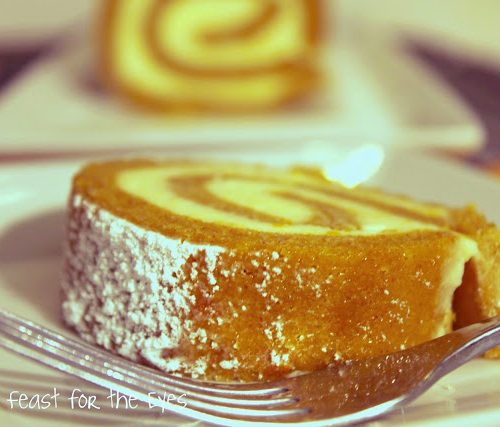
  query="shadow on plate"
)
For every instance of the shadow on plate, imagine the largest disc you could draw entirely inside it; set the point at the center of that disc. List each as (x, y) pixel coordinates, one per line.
(30, 262)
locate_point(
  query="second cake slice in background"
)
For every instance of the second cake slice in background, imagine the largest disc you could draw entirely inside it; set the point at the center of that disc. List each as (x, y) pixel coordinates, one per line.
(238, 55)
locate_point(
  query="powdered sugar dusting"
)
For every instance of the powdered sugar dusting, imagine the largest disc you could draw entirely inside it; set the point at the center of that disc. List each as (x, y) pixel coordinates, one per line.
(125, 287)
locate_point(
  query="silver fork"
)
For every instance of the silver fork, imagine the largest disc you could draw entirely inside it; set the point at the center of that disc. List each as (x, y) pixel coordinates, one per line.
(352, 392)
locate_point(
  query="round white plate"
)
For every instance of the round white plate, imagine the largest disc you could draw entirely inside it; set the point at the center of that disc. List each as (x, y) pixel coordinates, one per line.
(32, 202)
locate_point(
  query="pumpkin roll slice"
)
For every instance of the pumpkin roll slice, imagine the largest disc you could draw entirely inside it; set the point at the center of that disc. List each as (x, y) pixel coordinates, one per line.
(239, 272)
(211, 54)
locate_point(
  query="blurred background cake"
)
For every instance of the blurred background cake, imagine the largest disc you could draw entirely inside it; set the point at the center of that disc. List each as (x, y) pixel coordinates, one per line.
(216, 55)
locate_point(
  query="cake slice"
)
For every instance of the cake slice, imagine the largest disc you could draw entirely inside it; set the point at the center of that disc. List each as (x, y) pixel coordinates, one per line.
(205, 55)
(239, 272)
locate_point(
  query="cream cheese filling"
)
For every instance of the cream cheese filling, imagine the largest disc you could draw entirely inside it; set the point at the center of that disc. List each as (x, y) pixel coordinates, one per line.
(260, 190)
(452, 274)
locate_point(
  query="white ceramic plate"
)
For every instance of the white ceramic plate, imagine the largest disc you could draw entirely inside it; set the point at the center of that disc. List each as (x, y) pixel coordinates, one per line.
(32, 200)
(376, 92)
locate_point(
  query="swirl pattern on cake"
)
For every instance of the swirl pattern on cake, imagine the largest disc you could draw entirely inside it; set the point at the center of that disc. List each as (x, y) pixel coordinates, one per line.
(243, 272)
(211, 54)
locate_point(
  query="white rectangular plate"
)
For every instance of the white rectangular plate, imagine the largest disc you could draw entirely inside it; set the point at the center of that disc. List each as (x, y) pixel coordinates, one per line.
(375, 92)
(32, 202)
